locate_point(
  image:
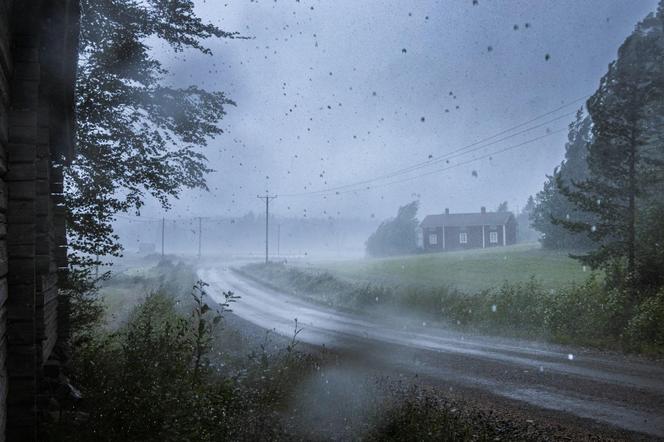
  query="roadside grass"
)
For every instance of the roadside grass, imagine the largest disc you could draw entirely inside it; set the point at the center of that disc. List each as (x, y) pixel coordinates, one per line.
(468, 271)
(587, 313)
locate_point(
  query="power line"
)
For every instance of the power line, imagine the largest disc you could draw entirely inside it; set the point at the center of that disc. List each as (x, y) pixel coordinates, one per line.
(458, 164)
(450, 155)
(453, 154)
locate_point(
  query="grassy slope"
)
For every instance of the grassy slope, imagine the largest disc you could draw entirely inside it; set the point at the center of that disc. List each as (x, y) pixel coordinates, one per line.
(468, 271)
(132, 281)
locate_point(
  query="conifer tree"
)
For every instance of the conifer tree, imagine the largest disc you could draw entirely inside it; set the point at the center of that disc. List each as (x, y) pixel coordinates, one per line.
(551, 204)
(625, 157)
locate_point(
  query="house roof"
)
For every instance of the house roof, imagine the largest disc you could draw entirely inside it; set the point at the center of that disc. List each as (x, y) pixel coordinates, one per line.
(467, 219)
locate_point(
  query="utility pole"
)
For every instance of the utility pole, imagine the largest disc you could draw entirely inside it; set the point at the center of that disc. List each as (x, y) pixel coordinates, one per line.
(278, 239)
(163, 222)
(267, 199)
(200, 234)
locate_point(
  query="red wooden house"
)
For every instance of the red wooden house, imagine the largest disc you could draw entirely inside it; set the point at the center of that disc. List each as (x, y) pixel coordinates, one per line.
(458, 231)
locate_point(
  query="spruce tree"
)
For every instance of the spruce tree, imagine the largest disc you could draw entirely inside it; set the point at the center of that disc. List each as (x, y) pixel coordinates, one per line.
(625, 160)
(551, 204)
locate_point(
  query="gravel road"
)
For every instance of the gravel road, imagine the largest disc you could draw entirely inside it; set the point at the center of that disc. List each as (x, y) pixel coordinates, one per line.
(596, 392)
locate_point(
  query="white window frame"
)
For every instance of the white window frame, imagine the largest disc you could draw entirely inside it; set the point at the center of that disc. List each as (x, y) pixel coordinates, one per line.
(433, 239)
(493, 237)
(463, 238)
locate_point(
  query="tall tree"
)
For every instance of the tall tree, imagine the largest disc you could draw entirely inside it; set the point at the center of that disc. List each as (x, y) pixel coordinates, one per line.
(138, 136)
(625, 157)
(551, 204)
(396, 236)
(502, 207)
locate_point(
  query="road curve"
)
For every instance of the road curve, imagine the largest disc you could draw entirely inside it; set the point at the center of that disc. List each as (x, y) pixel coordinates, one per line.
(610, 389)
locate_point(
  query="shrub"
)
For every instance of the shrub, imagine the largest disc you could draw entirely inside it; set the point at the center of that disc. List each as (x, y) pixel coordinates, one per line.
(151, 380)
(645, 330)
(587, 314)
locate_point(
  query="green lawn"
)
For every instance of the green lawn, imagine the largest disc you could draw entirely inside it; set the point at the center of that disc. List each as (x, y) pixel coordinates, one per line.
(470, 270)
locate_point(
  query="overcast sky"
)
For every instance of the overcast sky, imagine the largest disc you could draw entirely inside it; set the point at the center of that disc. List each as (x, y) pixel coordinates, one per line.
(331, 93)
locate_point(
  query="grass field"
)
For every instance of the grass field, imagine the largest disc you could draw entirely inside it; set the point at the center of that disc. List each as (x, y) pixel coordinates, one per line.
(468, 271)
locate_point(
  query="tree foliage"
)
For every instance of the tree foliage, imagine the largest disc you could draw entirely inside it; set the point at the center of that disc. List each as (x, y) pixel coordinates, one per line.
(396, 236)
(138, 135)
(625, 157)
(551, 203)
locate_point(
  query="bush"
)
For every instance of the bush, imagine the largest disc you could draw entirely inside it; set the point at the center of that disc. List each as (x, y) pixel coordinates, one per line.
(152, 380)
(645, 330)
(588, 314)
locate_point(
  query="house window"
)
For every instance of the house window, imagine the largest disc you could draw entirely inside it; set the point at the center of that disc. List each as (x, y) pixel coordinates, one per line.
(433, 239)
(493, 237)
(463, 238)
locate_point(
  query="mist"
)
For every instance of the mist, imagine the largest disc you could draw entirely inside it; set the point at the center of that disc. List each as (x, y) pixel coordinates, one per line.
(321, 106)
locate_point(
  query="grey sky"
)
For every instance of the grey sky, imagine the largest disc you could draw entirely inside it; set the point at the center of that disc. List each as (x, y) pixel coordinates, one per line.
(308, 55)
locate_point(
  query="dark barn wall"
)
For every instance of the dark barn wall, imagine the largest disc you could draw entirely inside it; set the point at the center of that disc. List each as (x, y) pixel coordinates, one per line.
(433, 247)
(6, 68)
(38, 45)
(452, 234)
(474, 236)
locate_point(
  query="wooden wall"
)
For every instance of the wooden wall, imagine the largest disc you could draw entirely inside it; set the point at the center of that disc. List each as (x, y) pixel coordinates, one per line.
(38, 40)
(5, 75)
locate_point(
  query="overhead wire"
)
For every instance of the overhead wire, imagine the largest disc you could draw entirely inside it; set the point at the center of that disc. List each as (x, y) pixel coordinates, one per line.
(472, 147)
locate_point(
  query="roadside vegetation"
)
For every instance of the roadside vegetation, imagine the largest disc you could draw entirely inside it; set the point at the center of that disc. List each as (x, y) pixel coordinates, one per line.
(586, 313)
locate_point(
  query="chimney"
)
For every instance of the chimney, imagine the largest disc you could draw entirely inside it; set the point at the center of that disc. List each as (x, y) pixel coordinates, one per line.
(483, 210)
(447, 211)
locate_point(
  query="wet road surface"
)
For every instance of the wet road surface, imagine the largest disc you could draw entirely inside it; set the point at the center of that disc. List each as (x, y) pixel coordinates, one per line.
(627, 393)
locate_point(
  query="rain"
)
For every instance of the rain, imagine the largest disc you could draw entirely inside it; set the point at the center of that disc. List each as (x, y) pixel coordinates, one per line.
(307, 220)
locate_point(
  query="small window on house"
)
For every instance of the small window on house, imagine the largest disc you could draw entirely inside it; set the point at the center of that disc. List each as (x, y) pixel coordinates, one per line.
(433, 239)
(493, 237)
(463, 238)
